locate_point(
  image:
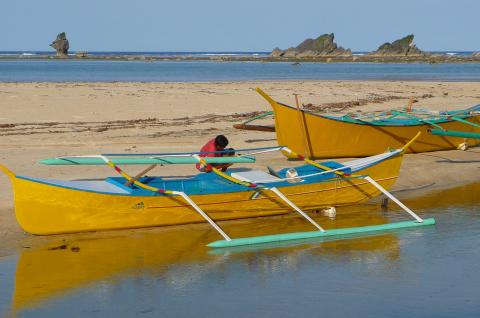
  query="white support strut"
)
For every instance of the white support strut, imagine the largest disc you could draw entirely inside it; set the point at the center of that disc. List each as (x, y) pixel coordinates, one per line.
(296, 208)
(388, 194)
(205, 216)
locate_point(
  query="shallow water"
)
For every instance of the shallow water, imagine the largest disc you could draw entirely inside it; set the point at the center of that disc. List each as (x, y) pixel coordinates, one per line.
(207, 71)
(423, 272)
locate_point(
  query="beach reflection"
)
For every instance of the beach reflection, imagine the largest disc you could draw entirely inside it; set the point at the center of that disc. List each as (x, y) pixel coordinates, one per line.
(178, 257)
(466, 195)
(69, 263)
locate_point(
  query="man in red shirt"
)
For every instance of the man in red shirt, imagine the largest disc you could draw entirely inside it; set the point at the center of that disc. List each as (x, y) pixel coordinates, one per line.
(216, 144)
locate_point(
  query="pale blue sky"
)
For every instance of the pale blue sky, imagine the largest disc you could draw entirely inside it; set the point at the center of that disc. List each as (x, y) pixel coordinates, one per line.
(247, 25)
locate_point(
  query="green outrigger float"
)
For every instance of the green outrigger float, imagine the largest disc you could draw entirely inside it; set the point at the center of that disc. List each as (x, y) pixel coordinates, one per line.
(143, 160)
(328, 233)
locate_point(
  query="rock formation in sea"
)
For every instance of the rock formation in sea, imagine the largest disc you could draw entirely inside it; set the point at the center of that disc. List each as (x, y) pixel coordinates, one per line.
(61, 45)
(319, 47)
(401, 47)
(476, 54)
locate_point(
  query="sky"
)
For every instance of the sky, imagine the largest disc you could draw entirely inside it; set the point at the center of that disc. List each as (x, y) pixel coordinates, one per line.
(246, 25)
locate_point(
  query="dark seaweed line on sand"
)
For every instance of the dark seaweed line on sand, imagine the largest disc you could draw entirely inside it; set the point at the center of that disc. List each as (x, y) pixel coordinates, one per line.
(31, 128)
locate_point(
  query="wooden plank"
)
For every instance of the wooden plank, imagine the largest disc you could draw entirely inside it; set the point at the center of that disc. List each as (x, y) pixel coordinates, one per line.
(254, 127)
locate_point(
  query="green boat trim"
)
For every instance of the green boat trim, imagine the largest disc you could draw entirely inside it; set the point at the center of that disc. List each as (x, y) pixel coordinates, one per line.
(161, 160)
(327, 233)
(455, 133)
(259, 116)
(465, 121)
(410, 118)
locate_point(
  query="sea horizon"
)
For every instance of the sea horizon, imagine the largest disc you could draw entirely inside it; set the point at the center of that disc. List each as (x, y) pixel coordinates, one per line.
(12, 53)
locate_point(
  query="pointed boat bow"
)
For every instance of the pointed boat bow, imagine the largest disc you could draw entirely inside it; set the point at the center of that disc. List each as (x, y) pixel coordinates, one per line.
(266, 96)
(8, 172)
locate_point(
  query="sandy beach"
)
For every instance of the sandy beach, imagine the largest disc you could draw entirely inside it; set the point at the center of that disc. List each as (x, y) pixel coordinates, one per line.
(42, 120)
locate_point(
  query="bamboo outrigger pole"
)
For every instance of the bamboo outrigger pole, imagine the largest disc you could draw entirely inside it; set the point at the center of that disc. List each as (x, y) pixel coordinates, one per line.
(455, 133)
(394, 199)
(139, 175)
(464, 121)
(205, 216)
(296, 208)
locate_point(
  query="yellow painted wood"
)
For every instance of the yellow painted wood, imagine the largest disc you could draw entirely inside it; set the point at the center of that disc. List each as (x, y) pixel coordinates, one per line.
(329, 138)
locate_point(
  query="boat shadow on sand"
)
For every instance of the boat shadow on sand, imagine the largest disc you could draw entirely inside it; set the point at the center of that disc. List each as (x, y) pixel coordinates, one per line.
(443, 159)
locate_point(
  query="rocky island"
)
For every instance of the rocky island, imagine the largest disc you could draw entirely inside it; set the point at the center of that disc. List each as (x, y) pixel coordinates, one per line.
(401, 47)
(324, 49)
(323, 46)
(61, 45)
(321, 49)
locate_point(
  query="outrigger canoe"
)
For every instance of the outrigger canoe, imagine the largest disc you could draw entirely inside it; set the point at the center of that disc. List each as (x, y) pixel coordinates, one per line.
(324, 136)
(50, 206)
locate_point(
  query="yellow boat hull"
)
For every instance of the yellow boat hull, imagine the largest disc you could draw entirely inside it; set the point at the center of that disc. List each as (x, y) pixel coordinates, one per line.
(320, 137)
(43, 208)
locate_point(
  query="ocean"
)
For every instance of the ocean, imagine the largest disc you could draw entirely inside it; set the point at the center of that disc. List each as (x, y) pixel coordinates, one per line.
(42, 70)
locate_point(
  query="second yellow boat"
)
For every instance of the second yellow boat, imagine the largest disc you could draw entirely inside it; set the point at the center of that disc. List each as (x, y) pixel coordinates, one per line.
(322, 136)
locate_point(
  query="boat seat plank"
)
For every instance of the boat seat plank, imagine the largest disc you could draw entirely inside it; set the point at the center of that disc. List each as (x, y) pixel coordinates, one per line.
(251, 176)
(86, 185)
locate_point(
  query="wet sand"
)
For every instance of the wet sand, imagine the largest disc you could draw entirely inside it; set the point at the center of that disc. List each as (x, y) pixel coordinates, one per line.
(42, 120)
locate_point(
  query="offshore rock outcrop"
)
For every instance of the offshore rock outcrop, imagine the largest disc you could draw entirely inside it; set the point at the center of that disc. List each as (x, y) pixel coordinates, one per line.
(61, 45)
(401, 47)
(324, 45)
(476, 54)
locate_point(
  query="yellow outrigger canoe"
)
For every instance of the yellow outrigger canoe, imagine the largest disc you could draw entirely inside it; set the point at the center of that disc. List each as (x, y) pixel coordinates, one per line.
(323, 136)
(49, 206)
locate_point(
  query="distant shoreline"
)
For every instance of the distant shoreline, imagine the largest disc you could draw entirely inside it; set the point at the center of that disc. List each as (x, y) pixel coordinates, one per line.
(262, 57)
(136, 69)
